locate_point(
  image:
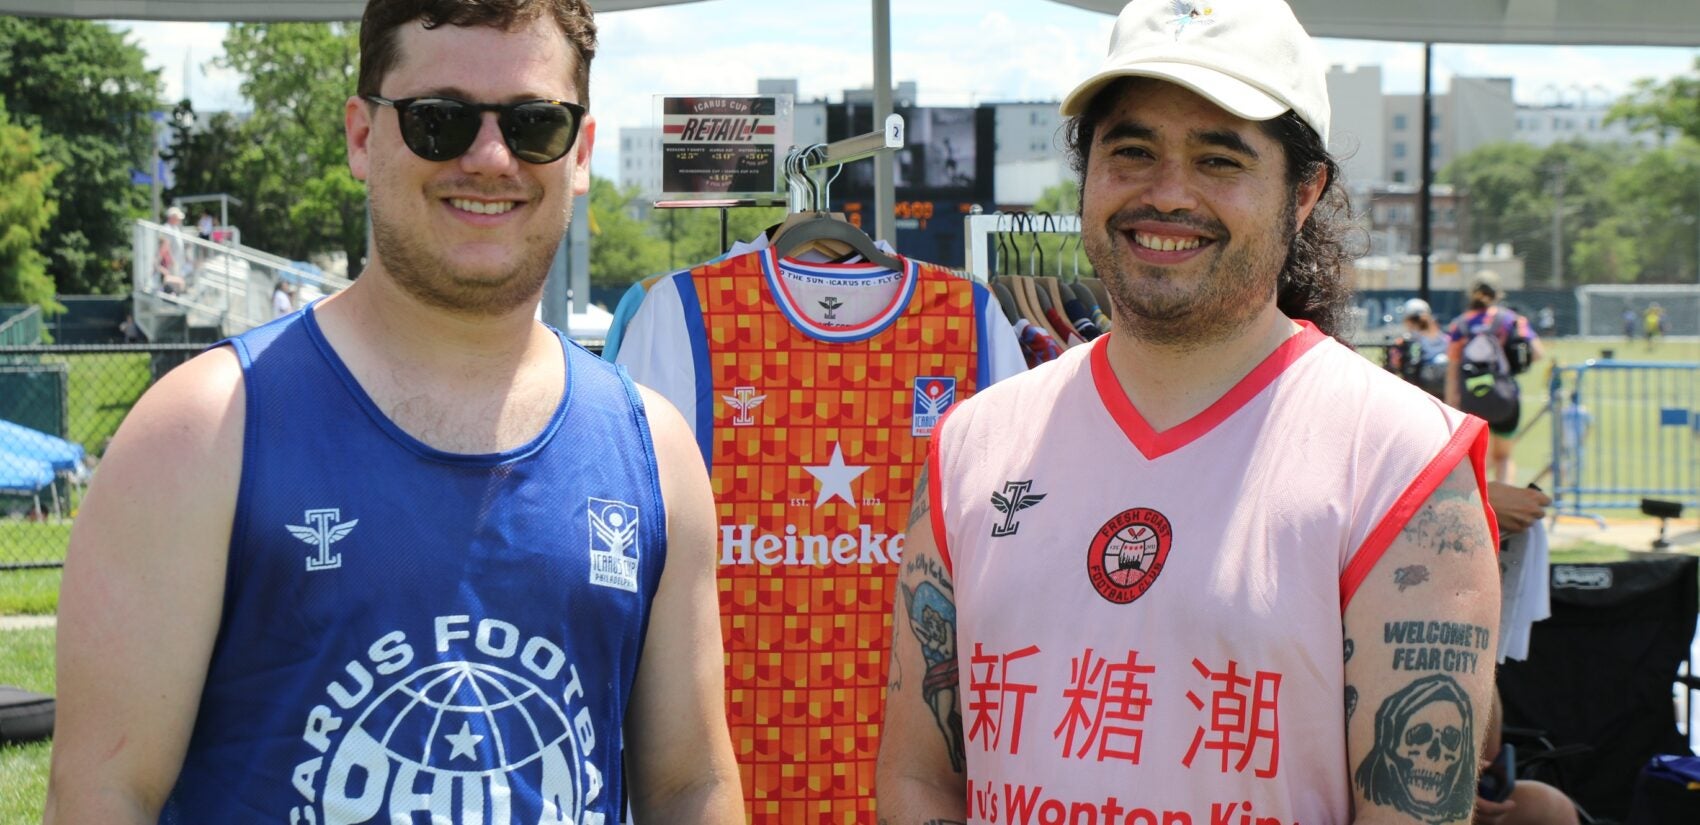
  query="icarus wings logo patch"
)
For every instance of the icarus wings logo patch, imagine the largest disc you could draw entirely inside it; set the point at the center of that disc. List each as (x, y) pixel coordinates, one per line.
(1128, 553)
(614, 545)
(324, 528)
(1014, 498)
(831, 305)
(933, 395)
(745, 400)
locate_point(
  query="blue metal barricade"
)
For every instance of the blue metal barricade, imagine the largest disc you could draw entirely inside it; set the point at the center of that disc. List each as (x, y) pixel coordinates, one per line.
(1623, 431)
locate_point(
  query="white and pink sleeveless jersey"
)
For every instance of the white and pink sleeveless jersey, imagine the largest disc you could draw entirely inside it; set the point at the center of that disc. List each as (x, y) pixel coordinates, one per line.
(1149, 624)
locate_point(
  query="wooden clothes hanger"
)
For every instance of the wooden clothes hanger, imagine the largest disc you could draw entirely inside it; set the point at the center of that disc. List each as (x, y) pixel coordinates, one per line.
(1049, 294)
(1019, 285)
(1037, 300)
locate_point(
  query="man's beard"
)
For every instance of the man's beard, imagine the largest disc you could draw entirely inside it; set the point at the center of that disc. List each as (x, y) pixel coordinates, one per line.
(423, 274)
(1232, 291)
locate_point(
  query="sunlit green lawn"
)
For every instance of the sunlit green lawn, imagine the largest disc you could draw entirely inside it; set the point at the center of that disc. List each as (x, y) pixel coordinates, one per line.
(26, 661)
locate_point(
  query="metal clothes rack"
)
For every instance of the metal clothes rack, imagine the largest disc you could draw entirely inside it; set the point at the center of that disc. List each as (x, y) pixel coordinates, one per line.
(815, 161)
(981, 228)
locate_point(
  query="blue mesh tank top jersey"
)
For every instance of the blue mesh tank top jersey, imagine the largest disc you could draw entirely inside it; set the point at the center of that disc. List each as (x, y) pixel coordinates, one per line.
(413, 635)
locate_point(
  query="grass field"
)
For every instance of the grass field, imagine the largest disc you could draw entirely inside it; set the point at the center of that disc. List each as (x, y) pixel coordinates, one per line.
(27, 663)
(102, 389)
(31, 592)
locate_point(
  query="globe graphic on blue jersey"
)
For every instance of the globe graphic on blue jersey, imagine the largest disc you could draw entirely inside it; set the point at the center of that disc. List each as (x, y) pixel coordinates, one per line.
(468, 719)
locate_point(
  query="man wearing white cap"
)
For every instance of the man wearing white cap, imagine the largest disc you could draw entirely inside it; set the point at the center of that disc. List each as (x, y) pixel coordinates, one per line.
(1274, 598)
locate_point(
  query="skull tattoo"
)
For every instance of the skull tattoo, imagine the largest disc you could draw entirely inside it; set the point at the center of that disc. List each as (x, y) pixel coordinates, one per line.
(1424, 758)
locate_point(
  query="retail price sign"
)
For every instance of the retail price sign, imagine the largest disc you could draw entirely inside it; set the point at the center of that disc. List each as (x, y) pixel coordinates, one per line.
(724, 146)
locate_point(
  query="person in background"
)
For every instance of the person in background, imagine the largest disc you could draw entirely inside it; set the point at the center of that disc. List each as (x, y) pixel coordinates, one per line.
(1490, 344)
(283, 299)
(408, 555)
(204, 227)
(1653, 323)
(1419, 355)
(171, 264)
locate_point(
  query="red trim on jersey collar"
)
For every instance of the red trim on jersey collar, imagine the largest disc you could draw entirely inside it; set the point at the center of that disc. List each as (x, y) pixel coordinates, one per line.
(1153, 444)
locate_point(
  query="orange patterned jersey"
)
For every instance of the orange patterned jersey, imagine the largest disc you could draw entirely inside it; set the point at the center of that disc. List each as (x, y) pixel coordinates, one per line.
(813, 390)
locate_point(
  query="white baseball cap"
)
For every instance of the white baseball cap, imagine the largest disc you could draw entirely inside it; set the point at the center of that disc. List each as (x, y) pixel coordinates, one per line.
(1414, 308)
(1250, 57)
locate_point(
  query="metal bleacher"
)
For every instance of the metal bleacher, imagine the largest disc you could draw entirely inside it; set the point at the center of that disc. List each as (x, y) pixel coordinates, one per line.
(227, 286)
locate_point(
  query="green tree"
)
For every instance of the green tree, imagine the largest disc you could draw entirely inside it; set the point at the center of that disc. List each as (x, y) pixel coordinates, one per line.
(84, 87)
(622, 250)
(1060, 198)
(1650, 232)
(1654, 106)
(203, 153)
(1514, 192)
(25, 213)
(293, 168)
(691, 236)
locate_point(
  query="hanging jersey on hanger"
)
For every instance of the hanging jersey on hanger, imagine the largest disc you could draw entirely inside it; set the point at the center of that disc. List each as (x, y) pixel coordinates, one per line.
(634, 295)
(813, 389)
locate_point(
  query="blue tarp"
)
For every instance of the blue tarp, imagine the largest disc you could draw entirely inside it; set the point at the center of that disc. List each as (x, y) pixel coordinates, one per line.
(22, 474)
(16, 439)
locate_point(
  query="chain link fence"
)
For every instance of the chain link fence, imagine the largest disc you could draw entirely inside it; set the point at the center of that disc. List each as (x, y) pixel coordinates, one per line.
(59, 406)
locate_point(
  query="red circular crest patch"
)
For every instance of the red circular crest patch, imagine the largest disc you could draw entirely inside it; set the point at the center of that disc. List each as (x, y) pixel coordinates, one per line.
(1128, 553)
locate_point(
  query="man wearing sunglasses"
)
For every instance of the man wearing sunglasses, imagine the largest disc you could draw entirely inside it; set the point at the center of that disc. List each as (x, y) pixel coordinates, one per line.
(406, 551)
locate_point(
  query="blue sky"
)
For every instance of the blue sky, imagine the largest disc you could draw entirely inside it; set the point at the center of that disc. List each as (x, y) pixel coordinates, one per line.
(960, 52)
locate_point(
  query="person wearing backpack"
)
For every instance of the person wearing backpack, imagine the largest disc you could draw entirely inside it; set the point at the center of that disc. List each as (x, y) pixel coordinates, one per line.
(1419, 355)
(1490, 345)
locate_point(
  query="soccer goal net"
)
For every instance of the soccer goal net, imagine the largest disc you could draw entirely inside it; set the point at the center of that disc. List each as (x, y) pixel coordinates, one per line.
(1622, 310)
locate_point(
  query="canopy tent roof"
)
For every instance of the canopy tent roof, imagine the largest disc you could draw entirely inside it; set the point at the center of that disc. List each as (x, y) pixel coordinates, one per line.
(1563, 22)
(234, 10)
(1580, 22)
(22, 474)
(18, 440)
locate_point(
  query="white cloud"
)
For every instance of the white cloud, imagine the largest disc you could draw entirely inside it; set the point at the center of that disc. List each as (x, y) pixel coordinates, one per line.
(177, 49)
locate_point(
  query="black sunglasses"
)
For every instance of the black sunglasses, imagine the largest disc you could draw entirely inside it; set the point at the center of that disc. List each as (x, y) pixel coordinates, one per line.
(443, 128)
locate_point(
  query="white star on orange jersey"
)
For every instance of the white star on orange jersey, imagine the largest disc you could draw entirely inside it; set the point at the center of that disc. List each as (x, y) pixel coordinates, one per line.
(835, 477)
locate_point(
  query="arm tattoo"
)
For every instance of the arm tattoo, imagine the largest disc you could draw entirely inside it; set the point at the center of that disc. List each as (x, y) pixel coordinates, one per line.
(1424, 759)
(1351, 692)
(1436, 646)
(1447, 520)
(932, 618)
(918, 511)
(1410, 576)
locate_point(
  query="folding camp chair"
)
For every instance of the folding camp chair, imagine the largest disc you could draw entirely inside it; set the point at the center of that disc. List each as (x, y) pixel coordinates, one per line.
(1597, 686)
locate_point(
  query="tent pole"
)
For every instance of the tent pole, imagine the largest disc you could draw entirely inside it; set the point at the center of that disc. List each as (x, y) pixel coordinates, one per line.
(885, 200)
(1425, 197)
